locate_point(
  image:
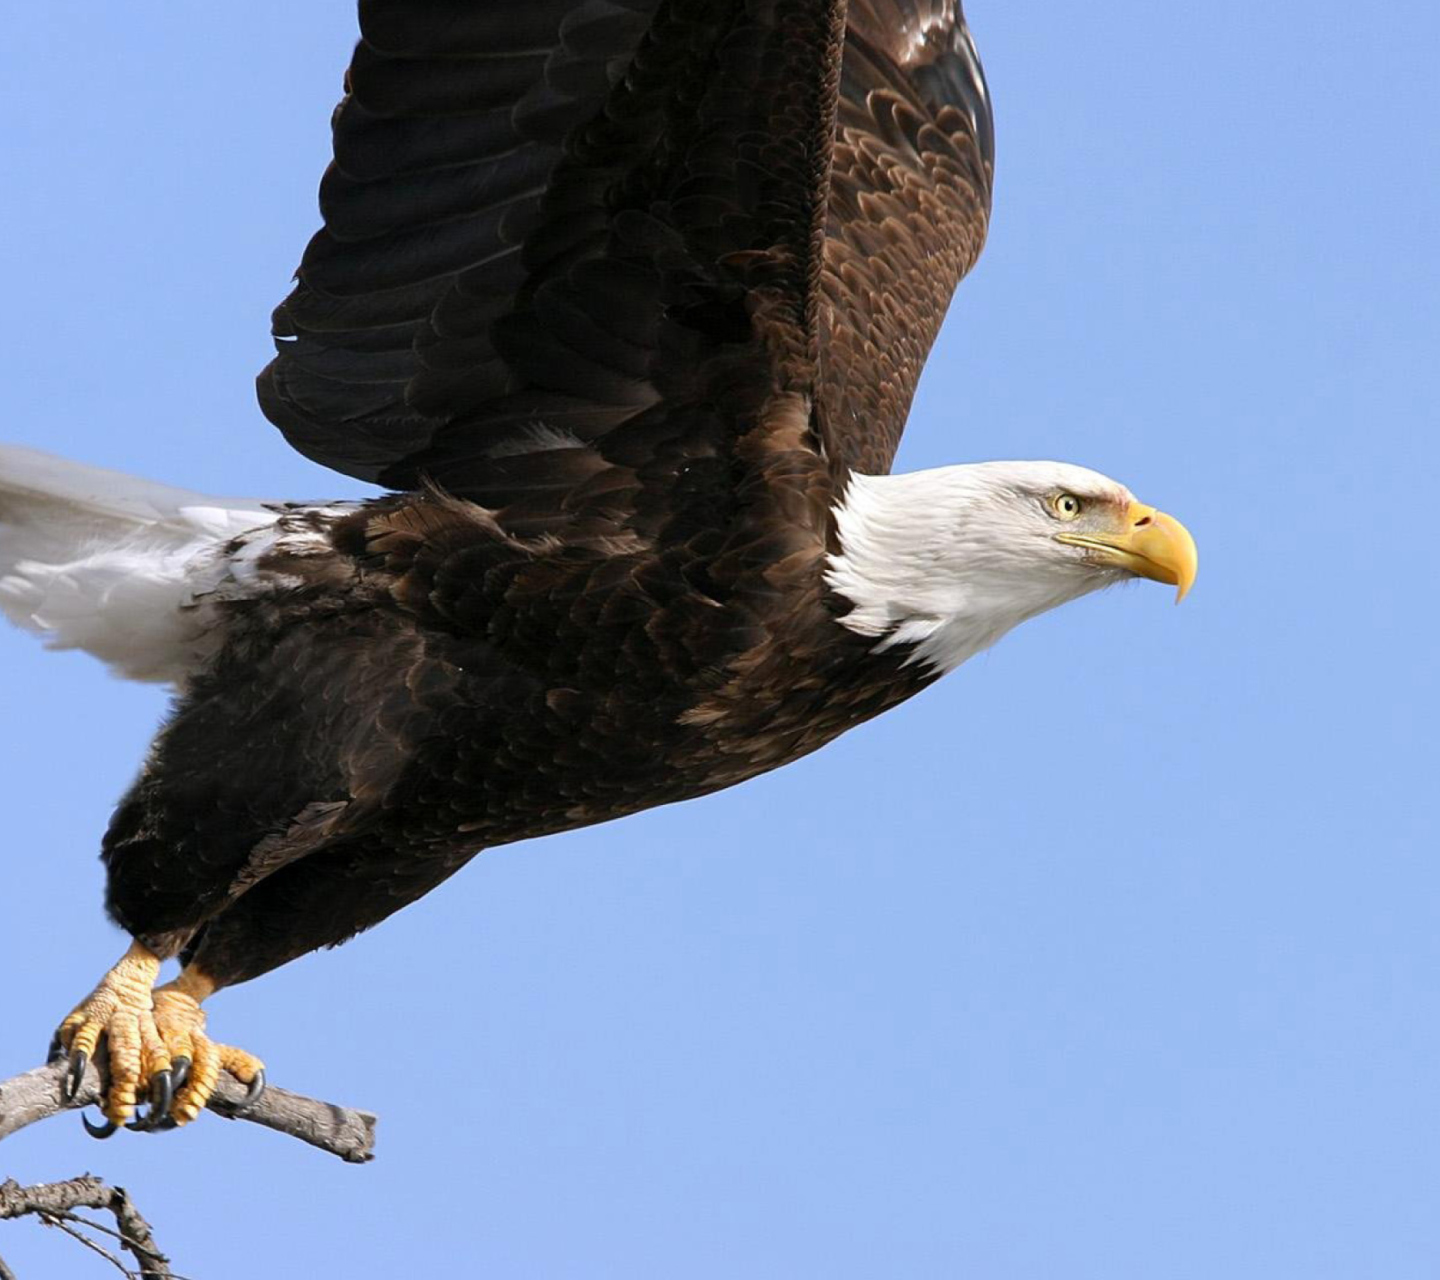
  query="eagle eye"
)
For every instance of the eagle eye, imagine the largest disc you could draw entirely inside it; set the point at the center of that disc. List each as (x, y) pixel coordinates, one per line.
(1066, 505)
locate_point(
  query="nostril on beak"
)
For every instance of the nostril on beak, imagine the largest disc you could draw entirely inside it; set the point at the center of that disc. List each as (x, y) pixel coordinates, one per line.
(1142, 522)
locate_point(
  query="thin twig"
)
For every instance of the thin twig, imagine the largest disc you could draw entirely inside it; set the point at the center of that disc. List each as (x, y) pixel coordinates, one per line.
(344, 1132)
(125, 1213)
(128, 1241)
(104, 1230)
(62, 1221)
(5, 1272)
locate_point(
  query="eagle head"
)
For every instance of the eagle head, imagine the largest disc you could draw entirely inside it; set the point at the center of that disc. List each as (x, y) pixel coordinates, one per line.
(946, 561)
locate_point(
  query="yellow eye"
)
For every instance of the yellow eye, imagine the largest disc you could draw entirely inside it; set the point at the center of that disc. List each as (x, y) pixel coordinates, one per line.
(1067, 505)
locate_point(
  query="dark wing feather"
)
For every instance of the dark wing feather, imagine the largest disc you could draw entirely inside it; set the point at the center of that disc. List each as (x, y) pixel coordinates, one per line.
(909, 208)
(553, 222)
(449, 135)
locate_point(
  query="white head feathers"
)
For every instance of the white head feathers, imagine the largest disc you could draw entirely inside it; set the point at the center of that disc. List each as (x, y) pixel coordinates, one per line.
(950, 559)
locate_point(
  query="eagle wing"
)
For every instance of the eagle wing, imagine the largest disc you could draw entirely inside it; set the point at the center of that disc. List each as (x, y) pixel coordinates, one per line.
(909, 206)
(569, 245)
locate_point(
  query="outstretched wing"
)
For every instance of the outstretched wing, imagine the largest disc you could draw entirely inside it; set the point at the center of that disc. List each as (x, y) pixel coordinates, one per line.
(438, 234)
(909, 207)
(573, 246)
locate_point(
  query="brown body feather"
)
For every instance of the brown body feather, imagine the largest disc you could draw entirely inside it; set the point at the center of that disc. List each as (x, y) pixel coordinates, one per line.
(635, 285)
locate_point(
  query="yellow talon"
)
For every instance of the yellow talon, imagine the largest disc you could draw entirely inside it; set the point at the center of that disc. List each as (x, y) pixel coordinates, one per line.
(147, 1029)
(182, 1024)
(119, 1009)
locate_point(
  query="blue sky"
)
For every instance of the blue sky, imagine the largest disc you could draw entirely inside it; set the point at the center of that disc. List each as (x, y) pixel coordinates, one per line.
(1114, 955)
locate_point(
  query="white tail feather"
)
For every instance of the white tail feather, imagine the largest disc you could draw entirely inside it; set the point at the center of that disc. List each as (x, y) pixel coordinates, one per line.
(101, 561)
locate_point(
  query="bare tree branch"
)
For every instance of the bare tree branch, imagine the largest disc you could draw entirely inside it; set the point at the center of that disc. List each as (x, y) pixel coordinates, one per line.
(54, 1203)
(349, 1134)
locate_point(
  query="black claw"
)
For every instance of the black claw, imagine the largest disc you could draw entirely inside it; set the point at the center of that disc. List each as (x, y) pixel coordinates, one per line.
(79, 1060)
(98, 1130)
(151, 1122)
(56, 1050)
(180, 1070)
(252, 1094)
(165, 1124)
(162, 1092)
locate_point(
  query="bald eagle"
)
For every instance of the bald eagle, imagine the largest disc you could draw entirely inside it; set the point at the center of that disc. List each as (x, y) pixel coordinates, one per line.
(623, 302)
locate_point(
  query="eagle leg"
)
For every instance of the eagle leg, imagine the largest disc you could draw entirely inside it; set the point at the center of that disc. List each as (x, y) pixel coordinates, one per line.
(196, 1060)
(119, 1009)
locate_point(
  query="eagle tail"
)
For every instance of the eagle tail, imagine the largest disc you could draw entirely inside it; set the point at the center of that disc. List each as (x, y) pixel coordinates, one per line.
(97, 560)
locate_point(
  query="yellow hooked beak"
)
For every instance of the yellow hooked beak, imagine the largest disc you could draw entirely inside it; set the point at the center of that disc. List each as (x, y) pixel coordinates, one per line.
(1148, 543)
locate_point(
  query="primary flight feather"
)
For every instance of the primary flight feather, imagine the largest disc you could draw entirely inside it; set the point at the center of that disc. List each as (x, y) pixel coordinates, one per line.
(625, 302)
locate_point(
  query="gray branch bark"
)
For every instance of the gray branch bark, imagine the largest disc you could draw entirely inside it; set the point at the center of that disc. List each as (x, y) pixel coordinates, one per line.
(55, 1202)
(342, 1131)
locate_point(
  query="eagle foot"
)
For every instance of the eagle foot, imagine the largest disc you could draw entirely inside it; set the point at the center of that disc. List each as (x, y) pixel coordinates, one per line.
(119, 1010)
(196, 1060)
(156, 1048)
